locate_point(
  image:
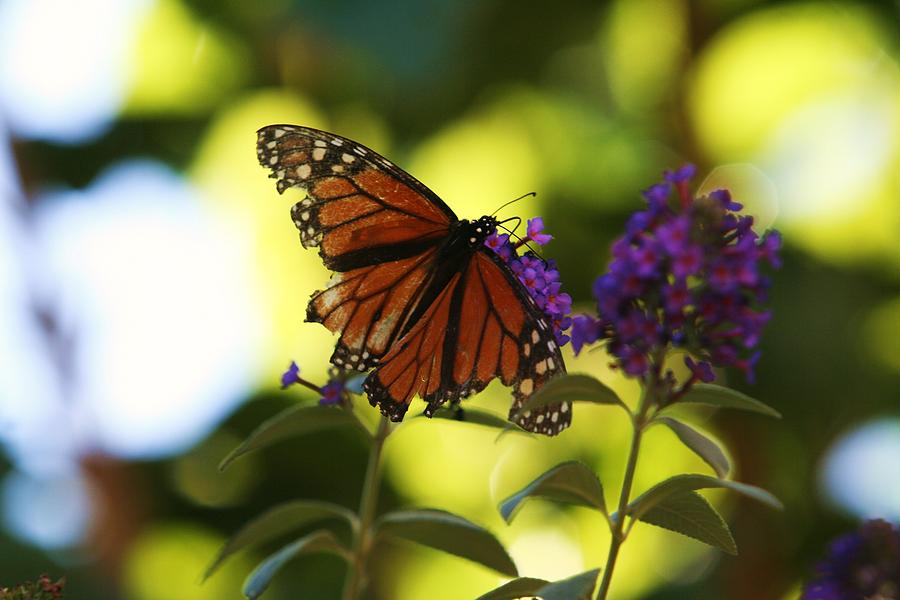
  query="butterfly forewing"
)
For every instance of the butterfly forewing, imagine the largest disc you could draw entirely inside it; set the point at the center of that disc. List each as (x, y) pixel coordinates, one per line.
(361, 209)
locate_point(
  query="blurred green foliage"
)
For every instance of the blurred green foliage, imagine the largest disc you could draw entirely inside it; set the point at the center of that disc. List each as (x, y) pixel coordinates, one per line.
(585, 103)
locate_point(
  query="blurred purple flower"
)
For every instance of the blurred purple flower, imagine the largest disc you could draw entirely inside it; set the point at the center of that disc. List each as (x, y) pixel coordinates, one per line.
(683, 174)
(686, 273)
(862, 564)
(291, 376)
(332, 392)
(585, 330)
(701, 370)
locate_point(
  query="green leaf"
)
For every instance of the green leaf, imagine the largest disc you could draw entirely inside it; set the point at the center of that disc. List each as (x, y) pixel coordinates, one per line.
(296, 420)
(472, 415)
(573, 387)
(688, 513)
(449, 533)
(682, 483)
(701, 445)
(723, 397)
(316, 542)
(520, 587)
(569, 482)
(277, 521)
(577, 587)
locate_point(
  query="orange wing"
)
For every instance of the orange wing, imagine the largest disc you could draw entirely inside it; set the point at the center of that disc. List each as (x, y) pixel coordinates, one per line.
(483, 325)
(361, 209)
(369, 307)
(374, 224)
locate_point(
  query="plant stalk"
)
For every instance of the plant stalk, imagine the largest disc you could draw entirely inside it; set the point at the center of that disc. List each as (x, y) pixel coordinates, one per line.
(638, 422)
(356, 570)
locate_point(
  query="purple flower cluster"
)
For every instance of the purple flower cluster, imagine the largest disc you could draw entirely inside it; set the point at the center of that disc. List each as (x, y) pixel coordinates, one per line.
(540, 277)
(331, 393)
(862, 564)
(686, 274)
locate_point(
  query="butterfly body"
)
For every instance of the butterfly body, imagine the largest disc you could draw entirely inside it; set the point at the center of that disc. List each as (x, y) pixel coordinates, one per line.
(416, 295)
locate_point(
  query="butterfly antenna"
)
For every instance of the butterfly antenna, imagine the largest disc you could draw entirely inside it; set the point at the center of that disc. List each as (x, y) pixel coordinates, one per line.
(518, 221)
(512, 233)
(512, 201)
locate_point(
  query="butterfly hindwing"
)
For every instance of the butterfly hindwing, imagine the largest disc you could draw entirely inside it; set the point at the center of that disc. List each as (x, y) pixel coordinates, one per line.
(369, 306)
(482, 326)
(526, 332)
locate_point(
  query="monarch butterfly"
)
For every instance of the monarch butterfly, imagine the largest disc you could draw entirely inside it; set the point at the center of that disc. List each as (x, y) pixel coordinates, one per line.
(416, 295)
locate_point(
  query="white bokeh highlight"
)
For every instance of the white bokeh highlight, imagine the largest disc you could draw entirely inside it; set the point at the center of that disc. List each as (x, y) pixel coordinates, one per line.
(50, 512)
(861, 471)
(64, 65)
(157, 295)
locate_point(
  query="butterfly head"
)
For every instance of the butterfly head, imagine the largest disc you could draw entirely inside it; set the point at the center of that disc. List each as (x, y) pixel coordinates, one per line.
(480, 229)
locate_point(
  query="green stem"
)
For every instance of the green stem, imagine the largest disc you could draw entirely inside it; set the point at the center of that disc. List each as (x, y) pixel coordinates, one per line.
(638, 421)
(356, 570)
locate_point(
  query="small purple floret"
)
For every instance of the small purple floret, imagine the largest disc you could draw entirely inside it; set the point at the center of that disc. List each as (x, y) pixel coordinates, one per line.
(331, 392)
(585, 330)
(683, 174)
(534, 229)
(291, 376)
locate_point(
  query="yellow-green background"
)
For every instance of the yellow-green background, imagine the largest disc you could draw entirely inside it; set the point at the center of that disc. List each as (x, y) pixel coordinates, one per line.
(795, 105)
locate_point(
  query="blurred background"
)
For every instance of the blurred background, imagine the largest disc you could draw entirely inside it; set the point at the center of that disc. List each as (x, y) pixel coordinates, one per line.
(153, 287)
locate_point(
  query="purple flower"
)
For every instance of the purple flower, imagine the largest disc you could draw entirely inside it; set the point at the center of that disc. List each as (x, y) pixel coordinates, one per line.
(500, 245)
(632, 361)
(674, 235)
(701, 370)
(291, 376)
(687, 262)
(539, 277)
(585, 330)
(723, 197)
(657, 196)
(685, 274)
(332, 392)
(862, 564)
(647, 260)
(534, 228)
(769, 248)
(675, 298)
(680, 175)
(532, 279)
(557, 302)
